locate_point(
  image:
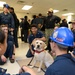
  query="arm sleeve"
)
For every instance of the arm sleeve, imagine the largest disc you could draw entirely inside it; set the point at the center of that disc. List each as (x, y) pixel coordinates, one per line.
(42, 35)
(30, 39)
(12, 22)
(57, 19)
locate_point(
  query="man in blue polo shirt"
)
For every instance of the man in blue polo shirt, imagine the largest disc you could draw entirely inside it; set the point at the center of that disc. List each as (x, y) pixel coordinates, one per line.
(64, 63)
(35, 34)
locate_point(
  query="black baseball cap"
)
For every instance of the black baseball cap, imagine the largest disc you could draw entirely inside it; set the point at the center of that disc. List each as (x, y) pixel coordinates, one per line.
(33, 25)
(6, 6)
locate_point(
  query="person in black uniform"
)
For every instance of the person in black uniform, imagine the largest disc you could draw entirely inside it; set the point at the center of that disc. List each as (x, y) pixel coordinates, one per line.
(64, 23)
(16, 23)
(50, 22)
(22, 31)
(10, 51)
(33, 20)
(25, 28)
(64, 63)
(7, 18)
(38, 21)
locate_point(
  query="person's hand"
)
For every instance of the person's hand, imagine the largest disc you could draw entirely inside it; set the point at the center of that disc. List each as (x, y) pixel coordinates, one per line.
(27, 69)
(4, 59)
(32, 52)
(11, 29)
(36, 39)
(53, 53)
(39, 26)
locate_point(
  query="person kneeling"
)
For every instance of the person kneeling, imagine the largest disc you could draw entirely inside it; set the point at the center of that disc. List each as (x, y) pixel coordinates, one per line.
(10, 47)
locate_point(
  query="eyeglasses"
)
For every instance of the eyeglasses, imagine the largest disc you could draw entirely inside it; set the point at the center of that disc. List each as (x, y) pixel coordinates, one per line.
(51, 41)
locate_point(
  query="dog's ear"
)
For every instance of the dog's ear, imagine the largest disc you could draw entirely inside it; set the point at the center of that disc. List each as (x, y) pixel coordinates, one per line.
(33, 43)
(44, 45)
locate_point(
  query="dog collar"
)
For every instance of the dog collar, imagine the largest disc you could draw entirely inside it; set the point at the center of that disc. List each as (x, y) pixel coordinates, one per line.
(38, 51)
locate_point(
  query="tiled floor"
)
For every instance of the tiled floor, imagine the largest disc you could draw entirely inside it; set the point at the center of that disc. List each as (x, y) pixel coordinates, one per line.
(20, 54)
(22, 50)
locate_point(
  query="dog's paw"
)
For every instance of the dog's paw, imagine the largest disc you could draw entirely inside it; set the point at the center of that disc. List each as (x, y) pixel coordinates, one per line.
(39, 70)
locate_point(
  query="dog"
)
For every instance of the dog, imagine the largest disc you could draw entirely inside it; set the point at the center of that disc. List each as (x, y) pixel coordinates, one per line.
(41, 55)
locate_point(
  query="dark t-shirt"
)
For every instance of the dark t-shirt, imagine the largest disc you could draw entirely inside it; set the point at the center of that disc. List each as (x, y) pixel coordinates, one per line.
(50, 21)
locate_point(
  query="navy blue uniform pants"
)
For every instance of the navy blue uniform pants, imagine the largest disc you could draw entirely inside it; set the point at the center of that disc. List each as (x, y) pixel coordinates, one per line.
(15, 37)
(29, 54)
(9, 51)
(25, 35)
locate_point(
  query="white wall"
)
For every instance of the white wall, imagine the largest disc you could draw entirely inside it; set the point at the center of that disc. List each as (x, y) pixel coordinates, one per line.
(69, 18)
(21, 15)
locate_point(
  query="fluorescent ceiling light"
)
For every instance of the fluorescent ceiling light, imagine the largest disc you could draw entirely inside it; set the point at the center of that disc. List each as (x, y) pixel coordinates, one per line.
(2, 3)
(55, 11)
(67, 14)
(26, 7)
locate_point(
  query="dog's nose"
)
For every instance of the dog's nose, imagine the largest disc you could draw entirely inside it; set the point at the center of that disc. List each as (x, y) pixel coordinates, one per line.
(38, 46)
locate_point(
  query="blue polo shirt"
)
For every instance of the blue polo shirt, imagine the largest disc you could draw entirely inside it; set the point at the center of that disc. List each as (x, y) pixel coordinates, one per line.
(39, 34)
(7, 19)
(63, 65)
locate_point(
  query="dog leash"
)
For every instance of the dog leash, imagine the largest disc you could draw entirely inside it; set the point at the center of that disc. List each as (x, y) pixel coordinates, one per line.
(30, 62)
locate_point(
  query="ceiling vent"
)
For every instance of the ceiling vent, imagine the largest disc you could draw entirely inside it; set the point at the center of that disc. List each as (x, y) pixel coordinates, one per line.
(21, 2)
(65, 10)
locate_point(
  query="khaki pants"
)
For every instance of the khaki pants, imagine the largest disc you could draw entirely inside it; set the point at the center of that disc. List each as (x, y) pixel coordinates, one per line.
(48, 33)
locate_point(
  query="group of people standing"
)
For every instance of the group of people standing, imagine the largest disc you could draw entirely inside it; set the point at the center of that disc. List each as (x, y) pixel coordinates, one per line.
(45, 24)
